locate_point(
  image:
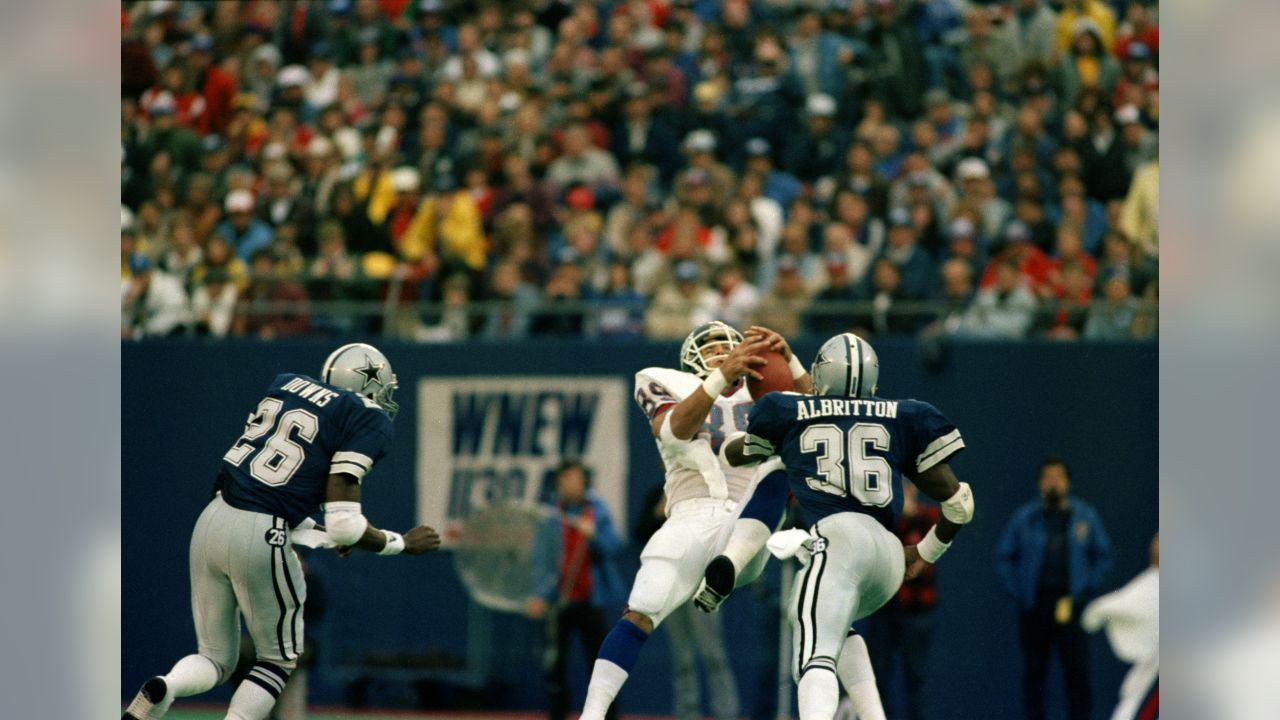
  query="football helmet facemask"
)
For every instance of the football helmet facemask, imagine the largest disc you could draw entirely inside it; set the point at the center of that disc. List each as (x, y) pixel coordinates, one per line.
(710, 333)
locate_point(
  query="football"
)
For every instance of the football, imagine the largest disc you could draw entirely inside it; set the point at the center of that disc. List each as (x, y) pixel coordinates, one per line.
(777, 376)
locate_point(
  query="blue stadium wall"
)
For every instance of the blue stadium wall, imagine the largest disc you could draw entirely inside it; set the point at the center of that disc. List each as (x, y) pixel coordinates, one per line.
(183, 404)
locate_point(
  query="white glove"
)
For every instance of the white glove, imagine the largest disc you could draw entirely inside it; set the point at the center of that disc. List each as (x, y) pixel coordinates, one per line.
(312, 538)
(787, 543)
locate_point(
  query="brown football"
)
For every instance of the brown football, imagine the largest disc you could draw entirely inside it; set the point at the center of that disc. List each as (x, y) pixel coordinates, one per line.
(777, 376)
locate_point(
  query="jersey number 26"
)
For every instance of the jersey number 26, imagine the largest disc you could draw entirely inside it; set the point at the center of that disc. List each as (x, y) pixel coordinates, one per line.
(280, 457)
(844, 465)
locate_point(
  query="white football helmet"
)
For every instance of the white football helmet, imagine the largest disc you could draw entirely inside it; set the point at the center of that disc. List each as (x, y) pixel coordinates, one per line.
(363, 370)
(846, 365)
(709, 333)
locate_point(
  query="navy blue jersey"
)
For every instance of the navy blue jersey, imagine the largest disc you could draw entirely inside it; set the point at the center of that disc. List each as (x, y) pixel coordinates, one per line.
(849, 455)
(300, 433)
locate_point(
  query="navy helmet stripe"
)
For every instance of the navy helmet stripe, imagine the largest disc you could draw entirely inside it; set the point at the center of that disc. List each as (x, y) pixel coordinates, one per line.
(849, 365)
(857, 388)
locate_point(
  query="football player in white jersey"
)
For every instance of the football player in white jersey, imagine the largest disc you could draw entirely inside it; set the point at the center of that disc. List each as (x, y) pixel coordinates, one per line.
(690, 411)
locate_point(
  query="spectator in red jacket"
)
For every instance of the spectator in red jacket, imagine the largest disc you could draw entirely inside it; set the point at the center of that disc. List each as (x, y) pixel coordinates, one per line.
(215, 84)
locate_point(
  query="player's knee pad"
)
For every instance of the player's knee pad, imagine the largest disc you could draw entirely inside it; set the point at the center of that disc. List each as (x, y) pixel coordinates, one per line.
(654, 589)
(270, 676)
(224, 662)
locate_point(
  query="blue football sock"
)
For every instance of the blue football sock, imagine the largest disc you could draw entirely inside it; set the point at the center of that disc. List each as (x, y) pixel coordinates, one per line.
(622, 645)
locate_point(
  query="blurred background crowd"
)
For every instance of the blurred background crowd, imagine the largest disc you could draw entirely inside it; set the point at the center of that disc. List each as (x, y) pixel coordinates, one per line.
(437, 170)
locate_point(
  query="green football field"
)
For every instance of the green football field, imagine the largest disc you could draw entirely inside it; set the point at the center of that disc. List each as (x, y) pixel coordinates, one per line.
(337, 714)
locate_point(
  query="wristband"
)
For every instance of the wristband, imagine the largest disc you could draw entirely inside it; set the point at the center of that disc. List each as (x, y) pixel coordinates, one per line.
(798, 369)
(959, 507)
(715, 384)
(395, 543)
(931, 548)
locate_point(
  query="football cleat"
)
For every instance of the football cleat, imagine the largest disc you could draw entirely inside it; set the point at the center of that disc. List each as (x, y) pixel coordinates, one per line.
(151, 696)
(716, 585)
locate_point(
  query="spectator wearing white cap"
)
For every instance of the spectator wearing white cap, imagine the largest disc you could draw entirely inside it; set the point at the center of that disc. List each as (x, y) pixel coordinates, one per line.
(246, 233)
(819, 150)
(321, 170)
(977, 195)
(291, 86)
(699, 149)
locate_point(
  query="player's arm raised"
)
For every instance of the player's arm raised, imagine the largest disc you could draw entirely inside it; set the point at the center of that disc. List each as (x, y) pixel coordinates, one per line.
(778, 344)
(348, 527)
(956, 498)
(686, 417)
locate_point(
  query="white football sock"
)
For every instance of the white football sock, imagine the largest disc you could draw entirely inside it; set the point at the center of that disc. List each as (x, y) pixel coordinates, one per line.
(748, 537)
(859, 680)
(606, 681)
(819, 694)
(251, 702)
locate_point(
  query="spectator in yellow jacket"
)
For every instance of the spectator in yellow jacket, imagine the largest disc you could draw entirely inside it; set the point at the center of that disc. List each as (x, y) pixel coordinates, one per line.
(1095, 10)
(446, 225)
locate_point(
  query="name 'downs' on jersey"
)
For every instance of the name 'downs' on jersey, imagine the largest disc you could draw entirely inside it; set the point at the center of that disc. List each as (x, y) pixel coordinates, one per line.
(300, 433)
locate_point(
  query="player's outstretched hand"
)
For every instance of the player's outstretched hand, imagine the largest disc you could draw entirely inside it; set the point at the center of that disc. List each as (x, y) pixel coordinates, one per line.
(742, 359)
(915, 563)
(776, 342)
(421, 539)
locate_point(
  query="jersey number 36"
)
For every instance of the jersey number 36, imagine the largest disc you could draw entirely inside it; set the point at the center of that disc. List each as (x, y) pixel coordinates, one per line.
(280, 457)
(844, 465)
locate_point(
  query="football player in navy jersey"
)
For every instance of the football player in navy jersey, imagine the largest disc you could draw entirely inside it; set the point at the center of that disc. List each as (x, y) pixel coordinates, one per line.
(307, 446)
(845, 451)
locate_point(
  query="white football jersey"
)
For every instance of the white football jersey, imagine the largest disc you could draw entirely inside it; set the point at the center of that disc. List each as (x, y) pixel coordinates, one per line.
(693, 466)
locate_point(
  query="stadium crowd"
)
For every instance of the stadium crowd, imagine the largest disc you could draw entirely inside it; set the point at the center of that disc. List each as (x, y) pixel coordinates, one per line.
(439, 169)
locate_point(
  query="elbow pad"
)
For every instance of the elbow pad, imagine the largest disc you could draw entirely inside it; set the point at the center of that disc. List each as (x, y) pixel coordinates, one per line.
(959, 507)
(344, 522)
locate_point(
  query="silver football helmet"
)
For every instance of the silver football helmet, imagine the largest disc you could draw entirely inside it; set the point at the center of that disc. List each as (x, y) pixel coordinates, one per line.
(709, 333)
(363, 370)
(846, 365)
